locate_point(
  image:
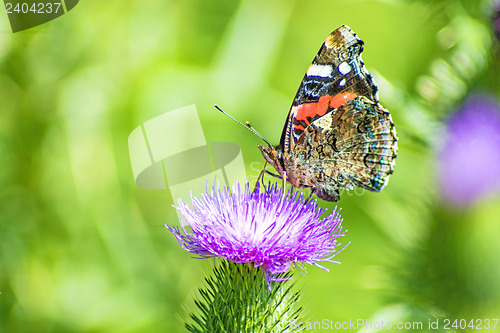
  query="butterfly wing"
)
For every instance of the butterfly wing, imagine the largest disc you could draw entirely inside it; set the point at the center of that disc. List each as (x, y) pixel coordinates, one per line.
(336, 75)
(356, 145)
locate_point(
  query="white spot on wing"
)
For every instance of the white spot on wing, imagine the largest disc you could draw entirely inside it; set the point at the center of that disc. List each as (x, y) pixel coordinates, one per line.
(344, 68)
(342, 82)
(320, 70)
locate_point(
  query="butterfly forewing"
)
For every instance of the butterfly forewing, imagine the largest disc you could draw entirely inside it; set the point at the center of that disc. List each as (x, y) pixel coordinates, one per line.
(336, 75)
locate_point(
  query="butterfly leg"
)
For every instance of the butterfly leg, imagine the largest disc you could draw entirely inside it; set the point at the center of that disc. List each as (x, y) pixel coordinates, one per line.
(309, 197)
(284, 184)
(261, 175)
(269, 173)
(272, 174)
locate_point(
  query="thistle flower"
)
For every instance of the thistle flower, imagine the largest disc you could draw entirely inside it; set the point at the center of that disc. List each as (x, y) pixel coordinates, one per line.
(267, 229)
(469, 161)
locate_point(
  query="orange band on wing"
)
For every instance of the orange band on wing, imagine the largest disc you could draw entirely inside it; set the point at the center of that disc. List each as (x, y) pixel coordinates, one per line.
(341, 99)
(308, 111)
(311, 110)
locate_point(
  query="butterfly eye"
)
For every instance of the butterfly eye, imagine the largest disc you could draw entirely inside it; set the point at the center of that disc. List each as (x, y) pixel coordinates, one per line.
(273, 154)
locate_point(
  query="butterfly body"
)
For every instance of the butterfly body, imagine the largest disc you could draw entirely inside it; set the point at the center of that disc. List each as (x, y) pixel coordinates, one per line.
(337, 135)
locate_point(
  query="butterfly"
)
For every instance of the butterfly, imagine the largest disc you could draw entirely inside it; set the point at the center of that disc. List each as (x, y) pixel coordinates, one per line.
(337, 135)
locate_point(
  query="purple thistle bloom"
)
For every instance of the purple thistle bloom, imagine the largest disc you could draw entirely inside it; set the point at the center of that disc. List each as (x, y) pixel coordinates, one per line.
(469, 161)
(266, 229)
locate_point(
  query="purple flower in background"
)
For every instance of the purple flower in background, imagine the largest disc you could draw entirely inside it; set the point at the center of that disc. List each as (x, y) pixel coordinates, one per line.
(266, 229)
(469, 161)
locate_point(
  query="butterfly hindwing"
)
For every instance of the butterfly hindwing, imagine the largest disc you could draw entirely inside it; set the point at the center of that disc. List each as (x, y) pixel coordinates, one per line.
(353, 146)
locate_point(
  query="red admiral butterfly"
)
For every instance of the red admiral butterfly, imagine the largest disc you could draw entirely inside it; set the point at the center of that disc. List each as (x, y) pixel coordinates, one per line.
(336, 135)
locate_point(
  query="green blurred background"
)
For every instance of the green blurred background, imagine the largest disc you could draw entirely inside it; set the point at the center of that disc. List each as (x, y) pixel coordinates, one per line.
(83, 249)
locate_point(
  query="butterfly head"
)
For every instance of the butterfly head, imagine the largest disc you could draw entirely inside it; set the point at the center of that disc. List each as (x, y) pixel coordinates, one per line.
(273, 156)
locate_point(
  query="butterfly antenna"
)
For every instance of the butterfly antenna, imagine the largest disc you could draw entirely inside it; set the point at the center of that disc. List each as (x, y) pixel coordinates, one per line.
(247, 126)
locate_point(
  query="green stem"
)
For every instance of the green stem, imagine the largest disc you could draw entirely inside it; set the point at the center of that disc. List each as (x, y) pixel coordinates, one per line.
(236, 298)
